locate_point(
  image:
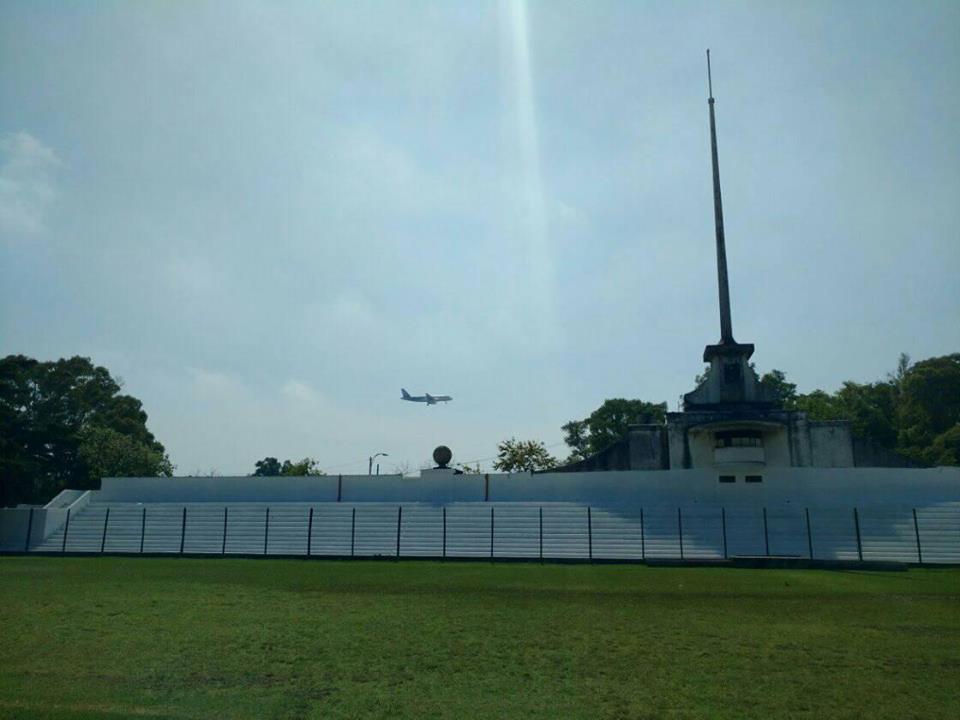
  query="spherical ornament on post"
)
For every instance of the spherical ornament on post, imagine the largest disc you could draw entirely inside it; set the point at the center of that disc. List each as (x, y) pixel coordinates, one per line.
(442, 456)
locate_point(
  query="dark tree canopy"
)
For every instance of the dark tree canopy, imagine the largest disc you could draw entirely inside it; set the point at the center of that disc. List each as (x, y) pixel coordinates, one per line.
(268, 467)
(915, 411)
(271, 467)
(608, 424)
(776, 380)
(66, 424)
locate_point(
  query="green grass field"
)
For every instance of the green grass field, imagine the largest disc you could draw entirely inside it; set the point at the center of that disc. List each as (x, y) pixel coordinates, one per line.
(187, 638)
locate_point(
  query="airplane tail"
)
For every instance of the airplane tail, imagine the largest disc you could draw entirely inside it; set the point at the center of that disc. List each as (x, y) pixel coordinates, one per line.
(405, 395)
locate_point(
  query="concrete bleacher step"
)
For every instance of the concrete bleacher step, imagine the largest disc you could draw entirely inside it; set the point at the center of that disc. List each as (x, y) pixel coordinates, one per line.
(553, 531)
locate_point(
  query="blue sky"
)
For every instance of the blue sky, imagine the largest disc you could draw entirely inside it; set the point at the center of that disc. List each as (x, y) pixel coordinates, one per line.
(268, 217)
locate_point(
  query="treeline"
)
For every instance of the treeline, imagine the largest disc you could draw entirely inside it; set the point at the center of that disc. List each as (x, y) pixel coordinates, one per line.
(271, 467)
(914, 411)
(66, 424)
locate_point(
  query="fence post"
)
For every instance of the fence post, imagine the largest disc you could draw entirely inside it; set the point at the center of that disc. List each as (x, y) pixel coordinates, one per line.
(266, 530)
(643, 542)
(353, 530)
(856, 524)
(339, 487)
(723, 530)
(183, 528)
(226, 511)
(806, 512)
(444, 548)
(589, 534)
(680, 531)
(491, 532)
(103, 540)
(541, 534)
(486, 487)
(66, 529)
(309, 531)
(399, 518)
(26, 544)
(766, 533)
(916, 531)
(143, 527)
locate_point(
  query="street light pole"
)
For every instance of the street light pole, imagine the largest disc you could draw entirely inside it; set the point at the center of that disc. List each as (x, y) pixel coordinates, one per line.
(371, 459)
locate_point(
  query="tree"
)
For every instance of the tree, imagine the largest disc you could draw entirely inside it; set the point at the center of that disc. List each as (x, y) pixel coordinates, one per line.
(776, 380)
(576, 434)
(871, 410)
(915, 411)
(46, 411)
(271, 467)
(928, 410)
(945, 448)
(819, 405)
(108, 453)
(307, 466)
(268, 467)
(608, 424)
(523, 455)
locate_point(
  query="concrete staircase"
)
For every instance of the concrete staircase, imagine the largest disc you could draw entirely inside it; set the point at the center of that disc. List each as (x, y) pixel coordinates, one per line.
(510, 530)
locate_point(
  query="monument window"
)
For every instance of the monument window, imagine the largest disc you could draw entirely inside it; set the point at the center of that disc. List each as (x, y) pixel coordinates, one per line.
(728, 478)
(753, 478)
(738, 438)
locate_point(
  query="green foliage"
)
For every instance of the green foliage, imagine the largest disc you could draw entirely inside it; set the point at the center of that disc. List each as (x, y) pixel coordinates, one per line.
(608, 424)
(945, 448)
(271, 467)
(776, 380)
(928, 412)
(301, 468)
(523, 455)
(268, 467)
(819, 405)
(46, 411)
(915, 411)
(871, 408)
(108, 453)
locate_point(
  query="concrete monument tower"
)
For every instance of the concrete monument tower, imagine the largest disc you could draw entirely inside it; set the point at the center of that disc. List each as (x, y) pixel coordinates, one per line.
(730, 381)
(732, 422)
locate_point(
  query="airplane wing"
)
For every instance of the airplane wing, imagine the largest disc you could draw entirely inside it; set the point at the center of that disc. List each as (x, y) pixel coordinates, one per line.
(431, 400)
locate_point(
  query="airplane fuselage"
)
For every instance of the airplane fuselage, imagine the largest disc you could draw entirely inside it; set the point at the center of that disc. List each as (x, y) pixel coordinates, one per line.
(427, 398)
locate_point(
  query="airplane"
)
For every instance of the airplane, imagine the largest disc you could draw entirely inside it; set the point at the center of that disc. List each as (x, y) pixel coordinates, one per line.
(428, 398)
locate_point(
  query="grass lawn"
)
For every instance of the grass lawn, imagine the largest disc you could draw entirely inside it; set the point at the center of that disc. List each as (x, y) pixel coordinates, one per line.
(187, 638)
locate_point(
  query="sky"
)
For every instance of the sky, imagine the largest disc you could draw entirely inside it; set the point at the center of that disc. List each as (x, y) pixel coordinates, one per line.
(268, 217)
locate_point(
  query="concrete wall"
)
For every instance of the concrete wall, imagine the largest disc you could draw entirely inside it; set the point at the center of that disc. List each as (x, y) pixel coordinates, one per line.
(776, 447)
(13, 528)
(441, 490)
(220, 489)
(15, 522)
(831, 444)
(809, 486)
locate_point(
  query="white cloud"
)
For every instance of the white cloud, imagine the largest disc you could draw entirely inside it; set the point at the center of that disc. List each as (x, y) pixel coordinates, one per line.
(27, 183)
(211, 382)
